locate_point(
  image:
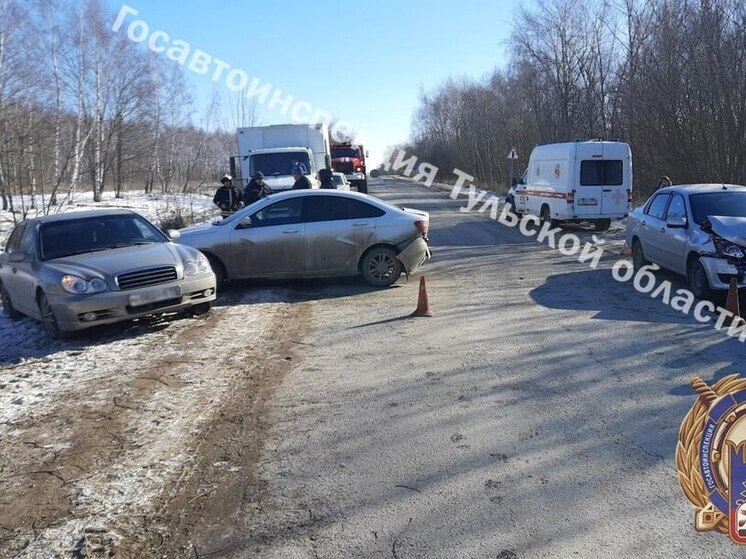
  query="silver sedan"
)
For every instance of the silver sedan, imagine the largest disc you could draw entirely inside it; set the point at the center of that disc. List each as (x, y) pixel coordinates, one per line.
(698, 231)
(315, 233)
(78, 270)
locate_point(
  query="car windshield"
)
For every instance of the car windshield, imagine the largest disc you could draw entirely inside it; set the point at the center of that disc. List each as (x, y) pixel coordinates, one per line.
(77, 236)
(721, 203)
(345, 152)
(277, 164)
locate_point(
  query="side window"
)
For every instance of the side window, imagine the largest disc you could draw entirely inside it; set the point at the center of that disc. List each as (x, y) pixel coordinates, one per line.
(333, 208)
(28, 240)
(279, 213)
(657, 207)
(15, 239)
(676, 209)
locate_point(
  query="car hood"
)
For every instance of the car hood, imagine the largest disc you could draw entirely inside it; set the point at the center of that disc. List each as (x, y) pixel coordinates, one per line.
(281, 182)
(731, 229)
(120, 260)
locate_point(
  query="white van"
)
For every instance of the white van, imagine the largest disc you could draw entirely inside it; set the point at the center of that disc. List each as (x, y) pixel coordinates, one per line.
(576, 181)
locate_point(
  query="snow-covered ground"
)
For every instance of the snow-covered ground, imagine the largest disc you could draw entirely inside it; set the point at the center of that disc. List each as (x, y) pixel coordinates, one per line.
(155, 207)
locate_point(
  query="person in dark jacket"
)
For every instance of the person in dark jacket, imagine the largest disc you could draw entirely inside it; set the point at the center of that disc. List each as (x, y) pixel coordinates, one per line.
(301, 180)
(325, 176)
(228, 197)
(256, 189)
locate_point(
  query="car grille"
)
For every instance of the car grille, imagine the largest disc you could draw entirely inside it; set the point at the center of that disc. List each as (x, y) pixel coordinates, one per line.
(144, 278)
(345, 167)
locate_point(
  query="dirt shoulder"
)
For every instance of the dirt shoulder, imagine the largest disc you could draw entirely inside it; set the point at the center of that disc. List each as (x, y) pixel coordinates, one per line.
(148, 446)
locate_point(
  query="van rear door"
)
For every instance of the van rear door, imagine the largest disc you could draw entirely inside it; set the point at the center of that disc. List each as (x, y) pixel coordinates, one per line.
(615, 181)
(589, 193)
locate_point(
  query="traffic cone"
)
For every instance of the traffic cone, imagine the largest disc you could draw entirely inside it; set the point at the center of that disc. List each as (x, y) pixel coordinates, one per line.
(732, 304)
(423, 307)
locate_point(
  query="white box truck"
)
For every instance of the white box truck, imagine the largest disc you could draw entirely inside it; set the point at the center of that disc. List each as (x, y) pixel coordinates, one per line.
(274, 150)
(576, 181)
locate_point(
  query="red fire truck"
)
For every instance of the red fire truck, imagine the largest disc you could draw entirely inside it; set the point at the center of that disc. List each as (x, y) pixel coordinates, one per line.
(349, 159)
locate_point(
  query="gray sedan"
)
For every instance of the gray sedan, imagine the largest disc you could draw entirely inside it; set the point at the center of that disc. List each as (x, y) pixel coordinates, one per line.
(315, 233)
(77, 270)
(698, 231)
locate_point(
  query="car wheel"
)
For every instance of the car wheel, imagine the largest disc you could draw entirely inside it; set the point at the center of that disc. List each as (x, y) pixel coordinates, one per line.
(546, 217)
(602, 224)
(48, 320)
(699, 285)
(8, 308)
(380, 267)
(221, 278)
(511, 200)
(638, 256)
(202, 308)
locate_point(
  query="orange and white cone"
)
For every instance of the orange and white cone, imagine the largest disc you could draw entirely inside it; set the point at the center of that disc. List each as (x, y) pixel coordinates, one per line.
(732, 304)
(423, 307)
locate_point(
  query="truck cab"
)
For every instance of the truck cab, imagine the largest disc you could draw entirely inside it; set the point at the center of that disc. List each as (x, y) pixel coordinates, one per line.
(276, 149)
(349, 159)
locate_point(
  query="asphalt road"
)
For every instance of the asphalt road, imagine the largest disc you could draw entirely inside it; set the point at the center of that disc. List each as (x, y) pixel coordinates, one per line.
(536, 415)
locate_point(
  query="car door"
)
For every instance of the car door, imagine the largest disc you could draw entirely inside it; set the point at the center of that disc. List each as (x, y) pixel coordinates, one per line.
(338, 230)
(674, 239)
(273, 244)
(8, 270)
(653, 228)
(24, 273)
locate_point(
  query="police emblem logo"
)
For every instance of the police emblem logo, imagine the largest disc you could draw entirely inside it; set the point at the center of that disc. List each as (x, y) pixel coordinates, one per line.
(711, 456)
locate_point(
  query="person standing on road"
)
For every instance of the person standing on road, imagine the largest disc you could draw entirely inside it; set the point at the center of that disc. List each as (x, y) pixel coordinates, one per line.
(325, 177)
(299, 174)
(256, 189)
(664, 182)
(228, 197)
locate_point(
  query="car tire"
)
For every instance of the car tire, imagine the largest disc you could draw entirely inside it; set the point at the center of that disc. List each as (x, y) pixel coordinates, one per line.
(380, 267)
(602, 224)
(48, 319)
(638, 256)
(202, 308)
(510, 199)
(8, 308)
(696, 277)
(221, 277)
(546, 217)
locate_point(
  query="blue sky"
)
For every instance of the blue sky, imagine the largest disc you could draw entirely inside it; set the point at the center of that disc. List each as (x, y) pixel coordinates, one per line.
(365, 62)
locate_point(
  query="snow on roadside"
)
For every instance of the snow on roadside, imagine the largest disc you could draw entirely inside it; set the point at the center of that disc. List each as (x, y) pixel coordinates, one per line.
(193, 364)
(152, 206)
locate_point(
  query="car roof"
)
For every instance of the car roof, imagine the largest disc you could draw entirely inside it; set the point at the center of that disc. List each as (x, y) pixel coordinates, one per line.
(701, 188)
(325, 192)
(67, 216)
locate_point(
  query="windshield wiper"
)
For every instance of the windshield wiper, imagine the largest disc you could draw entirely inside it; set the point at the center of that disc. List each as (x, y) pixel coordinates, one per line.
(129, 244)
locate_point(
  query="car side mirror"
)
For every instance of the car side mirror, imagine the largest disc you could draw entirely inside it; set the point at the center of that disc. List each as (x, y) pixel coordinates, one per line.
(678, 222)
(18, 256)
(173, 234)
(245, 223)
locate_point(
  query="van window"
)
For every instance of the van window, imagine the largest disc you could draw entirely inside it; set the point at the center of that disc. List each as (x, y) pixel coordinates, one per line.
(601, 173)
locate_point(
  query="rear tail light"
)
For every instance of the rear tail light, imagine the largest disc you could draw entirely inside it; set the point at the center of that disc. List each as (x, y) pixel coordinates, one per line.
(422, 226)
(570, 197)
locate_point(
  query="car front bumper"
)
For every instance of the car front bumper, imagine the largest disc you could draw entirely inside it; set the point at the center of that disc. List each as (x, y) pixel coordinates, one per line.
(115, 306)
(720, 270)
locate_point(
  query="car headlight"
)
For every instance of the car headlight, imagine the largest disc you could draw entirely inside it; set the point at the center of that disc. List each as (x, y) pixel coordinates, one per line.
(78, 286)
(727, 249)
(198, 266)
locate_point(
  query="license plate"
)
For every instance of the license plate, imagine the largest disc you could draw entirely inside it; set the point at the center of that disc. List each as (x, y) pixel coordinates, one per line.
(155, 295)
(587, 201)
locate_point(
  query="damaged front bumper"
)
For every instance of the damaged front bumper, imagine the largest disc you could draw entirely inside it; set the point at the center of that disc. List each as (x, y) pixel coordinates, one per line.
(720, 270)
